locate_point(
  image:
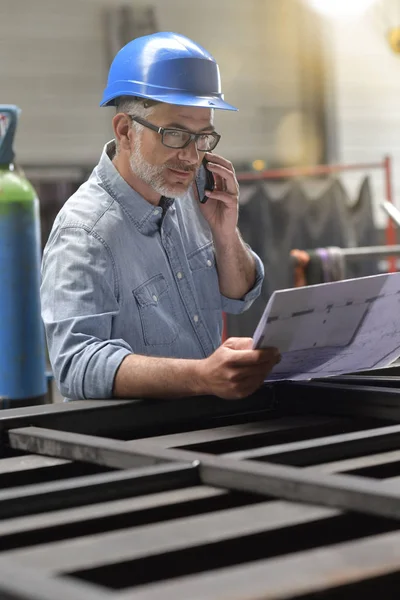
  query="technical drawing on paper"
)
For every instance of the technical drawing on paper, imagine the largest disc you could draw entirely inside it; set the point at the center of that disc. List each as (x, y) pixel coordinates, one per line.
(333, 328)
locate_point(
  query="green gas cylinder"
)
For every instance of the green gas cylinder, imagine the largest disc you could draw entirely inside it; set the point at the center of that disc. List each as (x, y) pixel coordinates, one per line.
(22, 346)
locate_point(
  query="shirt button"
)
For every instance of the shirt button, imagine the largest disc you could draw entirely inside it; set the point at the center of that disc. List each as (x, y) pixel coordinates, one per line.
(179, 275)
(196, 318)
(156, 212)
(155, 298)
(209, 263)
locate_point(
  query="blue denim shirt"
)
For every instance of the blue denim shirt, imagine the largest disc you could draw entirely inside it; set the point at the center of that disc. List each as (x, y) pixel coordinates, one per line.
(119, 277)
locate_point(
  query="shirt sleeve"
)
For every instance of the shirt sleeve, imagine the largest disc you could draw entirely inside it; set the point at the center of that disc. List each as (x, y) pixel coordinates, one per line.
(79, 297)
(237, 306)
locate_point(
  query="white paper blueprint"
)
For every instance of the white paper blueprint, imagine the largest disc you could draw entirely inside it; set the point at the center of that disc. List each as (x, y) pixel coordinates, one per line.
(333, 328)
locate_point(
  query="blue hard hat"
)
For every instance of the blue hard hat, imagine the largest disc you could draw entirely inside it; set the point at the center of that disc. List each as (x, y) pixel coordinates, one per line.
(166, 67)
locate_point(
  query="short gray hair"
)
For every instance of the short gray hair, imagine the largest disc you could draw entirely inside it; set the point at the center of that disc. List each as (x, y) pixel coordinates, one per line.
(135, 107)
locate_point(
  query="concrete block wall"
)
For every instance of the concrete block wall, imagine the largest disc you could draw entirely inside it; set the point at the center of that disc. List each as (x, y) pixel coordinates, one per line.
(53, 64)
(366, 84)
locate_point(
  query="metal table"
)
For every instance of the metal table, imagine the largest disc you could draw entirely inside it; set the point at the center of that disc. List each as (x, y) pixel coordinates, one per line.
(291, 493)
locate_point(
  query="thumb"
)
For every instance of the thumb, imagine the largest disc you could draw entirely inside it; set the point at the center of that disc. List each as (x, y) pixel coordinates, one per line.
(243, 343)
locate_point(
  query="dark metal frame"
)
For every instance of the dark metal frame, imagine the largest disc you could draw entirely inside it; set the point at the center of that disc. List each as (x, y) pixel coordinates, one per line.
(287, 577)
(166, 493)
(345, 397)
(339, 491)
(138, 418)
(29, 584)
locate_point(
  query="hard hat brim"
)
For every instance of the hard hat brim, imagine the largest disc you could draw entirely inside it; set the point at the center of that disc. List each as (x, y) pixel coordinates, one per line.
(178, 99)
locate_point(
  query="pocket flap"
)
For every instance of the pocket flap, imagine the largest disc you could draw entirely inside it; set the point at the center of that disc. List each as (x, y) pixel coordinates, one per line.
(202, 258)
(149, 293)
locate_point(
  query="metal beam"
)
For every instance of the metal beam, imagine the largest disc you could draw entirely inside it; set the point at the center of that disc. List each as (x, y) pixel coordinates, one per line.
(330, 398)
(137, 417)
(390, 381)
(246, 430)
(133, 543)
(341, 491)
(31, 499)
(290, 483)
(77, 415)
(74, 446)
(29, 584)
(61, 519)
(287, 577)
(321, 449)
(35, 524)
(28, 462)
(114, 453)
(358, 463)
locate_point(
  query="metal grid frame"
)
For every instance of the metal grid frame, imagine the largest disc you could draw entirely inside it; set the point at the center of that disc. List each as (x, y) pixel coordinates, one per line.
(256, 499)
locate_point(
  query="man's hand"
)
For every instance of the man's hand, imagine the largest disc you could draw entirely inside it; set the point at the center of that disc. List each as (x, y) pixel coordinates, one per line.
(221, 209)
(235, 370)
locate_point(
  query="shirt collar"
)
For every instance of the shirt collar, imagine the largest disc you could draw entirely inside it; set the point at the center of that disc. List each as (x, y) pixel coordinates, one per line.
(145, 216)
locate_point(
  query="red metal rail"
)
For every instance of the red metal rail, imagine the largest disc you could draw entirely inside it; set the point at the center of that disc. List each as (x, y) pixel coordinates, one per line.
(309, 171)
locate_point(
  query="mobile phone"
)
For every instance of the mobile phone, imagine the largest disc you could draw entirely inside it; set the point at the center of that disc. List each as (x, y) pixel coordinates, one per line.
(210, 183)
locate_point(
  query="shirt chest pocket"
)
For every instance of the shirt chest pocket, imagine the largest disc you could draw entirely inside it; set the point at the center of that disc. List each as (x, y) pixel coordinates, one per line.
(156, 311)
(204, 272)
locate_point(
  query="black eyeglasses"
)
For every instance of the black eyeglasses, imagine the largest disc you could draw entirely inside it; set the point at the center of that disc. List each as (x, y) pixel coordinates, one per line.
(179, 138)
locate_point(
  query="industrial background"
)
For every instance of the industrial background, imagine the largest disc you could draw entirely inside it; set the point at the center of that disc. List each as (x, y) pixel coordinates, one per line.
(290, 71)
(314, 86)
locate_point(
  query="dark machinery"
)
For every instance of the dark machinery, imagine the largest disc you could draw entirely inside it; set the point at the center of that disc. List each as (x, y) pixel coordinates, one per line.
(291, 493)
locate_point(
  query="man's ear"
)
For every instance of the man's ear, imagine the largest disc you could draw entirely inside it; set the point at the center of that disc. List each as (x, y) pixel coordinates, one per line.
(123, 131)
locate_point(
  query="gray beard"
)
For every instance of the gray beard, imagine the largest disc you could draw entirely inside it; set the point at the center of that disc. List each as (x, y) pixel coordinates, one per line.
(153, 175)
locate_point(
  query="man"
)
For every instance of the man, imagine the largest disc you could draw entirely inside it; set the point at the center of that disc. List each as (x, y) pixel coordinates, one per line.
(137, 271)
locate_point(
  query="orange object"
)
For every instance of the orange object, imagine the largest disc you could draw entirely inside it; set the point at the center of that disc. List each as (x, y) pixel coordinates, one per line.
(302, 260)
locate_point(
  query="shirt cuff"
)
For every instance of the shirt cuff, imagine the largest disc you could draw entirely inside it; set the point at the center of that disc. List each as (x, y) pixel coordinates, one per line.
(98, 380)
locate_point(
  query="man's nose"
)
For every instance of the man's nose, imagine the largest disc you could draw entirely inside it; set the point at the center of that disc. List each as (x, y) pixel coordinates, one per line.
(190, 153)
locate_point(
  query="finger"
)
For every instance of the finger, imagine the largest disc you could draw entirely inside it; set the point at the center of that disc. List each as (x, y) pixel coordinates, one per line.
(227, 175)
(255, 358)
(220, 169)
(224, 197)
(220, 183)
(255, 372)
(239, 343)
(243, 359)
(217, 158)
(246, 344)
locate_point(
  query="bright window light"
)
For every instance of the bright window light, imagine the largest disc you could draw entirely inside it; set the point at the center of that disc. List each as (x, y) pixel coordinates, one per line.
(341, 8)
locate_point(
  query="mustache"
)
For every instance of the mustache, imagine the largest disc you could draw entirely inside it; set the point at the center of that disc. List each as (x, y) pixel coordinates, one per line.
(182, 167)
